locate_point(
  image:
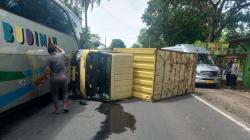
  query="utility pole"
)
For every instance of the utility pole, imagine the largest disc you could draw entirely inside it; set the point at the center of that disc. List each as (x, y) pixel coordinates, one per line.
(149, 42)
(105, 43)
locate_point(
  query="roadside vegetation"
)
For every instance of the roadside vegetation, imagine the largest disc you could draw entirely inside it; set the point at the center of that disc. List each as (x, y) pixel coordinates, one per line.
(172, 22)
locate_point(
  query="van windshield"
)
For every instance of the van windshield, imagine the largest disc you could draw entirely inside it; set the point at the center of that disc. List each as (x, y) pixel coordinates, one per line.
(205, 59)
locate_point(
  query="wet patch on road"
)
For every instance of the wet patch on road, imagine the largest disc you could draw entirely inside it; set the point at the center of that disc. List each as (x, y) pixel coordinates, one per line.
(116, 121)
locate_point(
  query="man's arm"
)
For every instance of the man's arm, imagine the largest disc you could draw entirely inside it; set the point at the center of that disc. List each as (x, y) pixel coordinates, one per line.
(60, 49)
(47, 72)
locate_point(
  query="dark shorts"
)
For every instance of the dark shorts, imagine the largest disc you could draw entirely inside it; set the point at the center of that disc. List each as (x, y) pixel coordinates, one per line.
(233, 80)
(59, 85)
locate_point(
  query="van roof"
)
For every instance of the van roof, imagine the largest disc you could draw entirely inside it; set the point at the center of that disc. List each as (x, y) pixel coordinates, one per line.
(186, 48)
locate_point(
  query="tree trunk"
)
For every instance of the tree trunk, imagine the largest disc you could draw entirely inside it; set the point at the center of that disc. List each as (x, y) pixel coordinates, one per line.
(212, 28)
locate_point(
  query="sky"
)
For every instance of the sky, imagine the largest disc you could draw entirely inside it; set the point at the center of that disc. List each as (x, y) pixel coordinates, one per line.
(117, 19)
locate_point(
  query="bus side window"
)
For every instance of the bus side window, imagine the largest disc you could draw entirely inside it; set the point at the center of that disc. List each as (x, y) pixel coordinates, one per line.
(14, 6)
(52, 16)
(45, 12)
(19, 7)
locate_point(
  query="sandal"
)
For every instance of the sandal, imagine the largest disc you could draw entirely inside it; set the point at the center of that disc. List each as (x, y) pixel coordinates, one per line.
(83, 103)
(55, 112)
(65, 110)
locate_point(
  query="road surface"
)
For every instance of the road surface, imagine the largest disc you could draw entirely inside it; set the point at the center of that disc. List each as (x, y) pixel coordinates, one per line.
(180, 118)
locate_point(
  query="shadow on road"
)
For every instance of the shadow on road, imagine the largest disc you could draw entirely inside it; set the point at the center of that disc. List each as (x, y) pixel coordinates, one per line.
(175, 99)
(14, 117)
(36, 121)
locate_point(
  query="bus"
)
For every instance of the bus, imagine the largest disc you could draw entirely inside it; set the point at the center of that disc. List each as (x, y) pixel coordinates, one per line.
(27, 28)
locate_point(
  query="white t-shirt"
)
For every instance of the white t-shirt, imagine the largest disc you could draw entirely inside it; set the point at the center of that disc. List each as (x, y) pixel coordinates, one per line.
(235, 69)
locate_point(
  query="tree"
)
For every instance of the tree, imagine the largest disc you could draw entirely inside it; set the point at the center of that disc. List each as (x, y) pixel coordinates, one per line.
(117, 43)
(144, 38)
(77, 6)
(147, 39)
(136, 45)
(184, 21)
(92, 40)
(85, 4)
(223, 14)
(95, 41)
(73, 7)
(168, 20)
(231, 34)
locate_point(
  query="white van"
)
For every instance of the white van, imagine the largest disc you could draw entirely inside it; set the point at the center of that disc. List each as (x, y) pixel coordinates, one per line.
(27, 27)
(207, 73)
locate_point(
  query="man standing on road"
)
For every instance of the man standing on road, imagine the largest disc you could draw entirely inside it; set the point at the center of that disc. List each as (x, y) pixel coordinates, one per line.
(234, 73)
(58, 79)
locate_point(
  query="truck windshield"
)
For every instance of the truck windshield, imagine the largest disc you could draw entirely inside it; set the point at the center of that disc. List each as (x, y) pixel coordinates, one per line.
(205, 59)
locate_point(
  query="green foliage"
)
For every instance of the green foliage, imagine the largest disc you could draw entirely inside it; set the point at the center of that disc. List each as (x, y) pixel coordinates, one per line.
(242, 31)
(73, 7)
(167, 19)
(95, 41)
(85, 4)
(91, 40)
(200, 44)
(117, 43)
(184, 21)
(144, 38)
(136, 45)
(147, 39)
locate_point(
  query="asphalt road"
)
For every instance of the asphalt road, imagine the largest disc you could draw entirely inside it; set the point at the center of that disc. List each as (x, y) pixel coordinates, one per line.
(181, 118)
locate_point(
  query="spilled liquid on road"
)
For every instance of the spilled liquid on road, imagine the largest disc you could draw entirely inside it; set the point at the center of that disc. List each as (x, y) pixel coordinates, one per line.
(116, 121)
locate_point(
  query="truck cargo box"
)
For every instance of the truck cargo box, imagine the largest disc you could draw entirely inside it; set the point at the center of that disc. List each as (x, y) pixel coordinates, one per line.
(109, 76)
(160, 74)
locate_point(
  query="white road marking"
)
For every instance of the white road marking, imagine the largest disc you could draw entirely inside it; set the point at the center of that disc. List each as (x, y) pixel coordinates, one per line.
(224, 114)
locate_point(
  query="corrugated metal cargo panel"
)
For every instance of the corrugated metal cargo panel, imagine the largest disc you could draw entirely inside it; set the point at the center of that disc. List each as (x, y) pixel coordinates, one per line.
(121, 76)
(144, 51)
(143, 73)
(142, 80)
(144, 67)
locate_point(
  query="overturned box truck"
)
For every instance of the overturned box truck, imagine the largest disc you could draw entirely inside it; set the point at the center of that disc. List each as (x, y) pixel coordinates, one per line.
(160, 74)
(207, 73)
